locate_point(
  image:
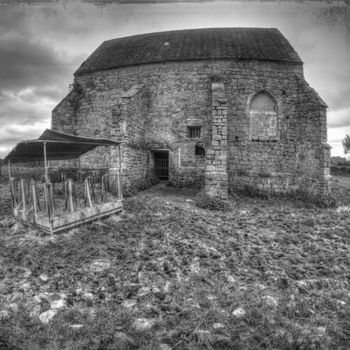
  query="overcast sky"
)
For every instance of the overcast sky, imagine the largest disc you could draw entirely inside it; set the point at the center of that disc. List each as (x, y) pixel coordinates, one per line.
(42, 43)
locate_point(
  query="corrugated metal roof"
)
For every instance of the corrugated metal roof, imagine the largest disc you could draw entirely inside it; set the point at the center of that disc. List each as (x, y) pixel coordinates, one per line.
(194, 44)
(58, 146)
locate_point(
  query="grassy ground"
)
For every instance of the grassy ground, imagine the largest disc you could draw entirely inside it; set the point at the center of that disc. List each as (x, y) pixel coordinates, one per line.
(270, 274)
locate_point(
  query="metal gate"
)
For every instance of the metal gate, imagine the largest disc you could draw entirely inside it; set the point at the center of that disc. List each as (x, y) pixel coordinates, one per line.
(161, 165)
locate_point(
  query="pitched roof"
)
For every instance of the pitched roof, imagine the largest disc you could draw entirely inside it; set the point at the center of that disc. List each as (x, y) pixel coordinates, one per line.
(194, 44)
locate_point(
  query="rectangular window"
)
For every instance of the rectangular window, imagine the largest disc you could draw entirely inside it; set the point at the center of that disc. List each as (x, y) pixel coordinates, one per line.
(194, 132)
(199, 151)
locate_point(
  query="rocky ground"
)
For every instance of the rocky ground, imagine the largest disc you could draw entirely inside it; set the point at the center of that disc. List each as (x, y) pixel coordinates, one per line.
(270, 274)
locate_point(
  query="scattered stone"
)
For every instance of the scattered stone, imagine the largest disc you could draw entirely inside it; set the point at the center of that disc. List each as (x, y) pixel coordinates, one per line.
(88, 297)
(16, 297)
(124, 341)
(143, 291)
(76, 326)
(27, 273)
(13, 307)
(129, 303)
(167, 287)
(58, 304)
(4, 288)
(343, 208)
(156, 290)
(202, 335)
(50, 297)
(47, 316)
(4, 314)
(271, 301)
(231, 279)
(25, 286)
(43, 277)
(218, 325)
(321, 331)
(239, 312)
(100, 265)
(37, 299)
(244, 212)
(143, 324)
(195, 267)
(35, 312)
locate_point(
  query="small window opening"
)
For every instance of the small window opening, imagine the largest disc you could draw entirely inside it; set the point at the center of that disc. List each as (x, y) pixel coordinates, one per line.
(199, 151)
(194, 132)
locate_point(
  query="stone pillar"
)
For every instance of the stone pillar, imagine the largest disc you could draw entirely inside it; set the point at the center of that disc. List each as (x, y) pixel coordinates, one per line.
(216, 178)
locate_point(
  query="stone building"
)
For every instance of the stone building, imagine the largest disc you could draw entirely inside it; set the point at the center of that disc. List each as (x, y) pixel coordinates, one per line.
(225, 107)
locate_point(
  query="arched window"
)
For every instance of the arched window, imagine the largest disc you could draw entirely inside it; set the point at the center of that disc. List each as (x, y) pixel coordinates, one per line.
(263, 118)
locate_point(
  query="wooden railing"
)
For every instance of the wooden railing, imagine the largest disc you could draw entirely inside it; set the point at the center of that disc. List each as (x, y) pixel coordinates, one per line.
(27, 195)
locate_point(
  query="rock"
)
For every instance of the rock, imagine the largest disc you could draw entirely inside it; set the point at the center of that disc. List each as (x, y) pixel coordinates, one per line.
(100, 265)
(321, 331)
(76, 326)
(88, 298)
(16, 297)
(124, 341)
(4, 288)
(244, 212)
(35, 312)
(43, 277)
(166, 287)
(195, 267)
(13, 307)
(143, 324)
(218, 325)
(27, 273)
(143, 291)
(4, 314)
(202, 335)
(163, 346)
(270, 300)
(25, 286)
(50, 297)
(37, 299)
(47, 316)
(129, 303)
(239, 312)
(58, 304)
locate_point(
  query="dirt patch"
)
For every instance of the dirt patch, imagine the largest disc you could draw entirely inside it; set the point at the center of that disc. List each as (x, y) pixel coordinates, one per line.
(268, 274)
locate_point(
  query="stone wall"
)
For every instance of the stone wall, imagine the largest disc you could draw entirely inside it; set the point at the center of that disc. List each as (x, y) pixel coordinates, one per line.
(216, 178)
(150, 107)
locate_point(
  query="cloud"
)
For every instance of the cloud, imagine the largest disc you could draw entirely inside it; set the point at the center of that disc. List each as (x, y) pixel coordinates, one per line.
(339, 117)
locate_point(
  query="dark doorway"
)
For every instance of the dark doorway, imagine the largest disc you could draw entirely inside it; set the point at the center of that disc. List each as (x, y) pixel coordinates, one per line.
(161, 165)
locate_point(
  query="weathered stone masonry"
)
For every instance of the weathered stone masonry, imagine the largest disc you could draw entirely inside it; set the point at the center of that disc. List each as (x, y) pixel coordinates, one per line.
(150, 107)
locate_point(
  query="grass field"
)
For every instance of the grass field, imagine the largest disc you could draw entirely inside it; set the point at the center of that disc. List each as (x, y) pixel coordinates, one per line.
(269, 274)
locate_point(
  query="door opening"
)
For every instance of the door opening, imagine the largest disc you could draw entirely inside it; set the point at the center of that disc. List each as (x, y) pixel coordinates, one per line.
(161, 165)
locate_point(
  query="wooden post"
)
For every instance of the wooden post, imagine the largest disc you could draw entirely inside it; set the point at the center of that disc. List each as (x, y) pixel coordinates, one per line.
(46, 198)
(24, 201)
(87, 193)
(70, 195)
(45, 164)
(12, 186)
(120, 183)
(34, 199)
(51, 205)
